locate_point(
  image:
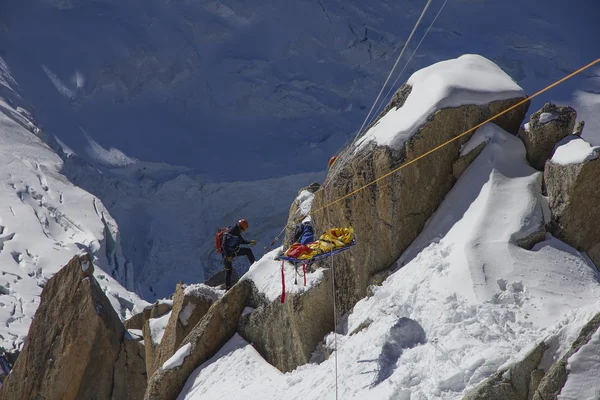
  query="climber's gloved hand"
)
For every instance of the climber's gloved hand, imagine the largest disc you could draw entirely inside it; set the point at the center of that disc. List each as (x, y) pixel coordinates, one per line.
(252, 242)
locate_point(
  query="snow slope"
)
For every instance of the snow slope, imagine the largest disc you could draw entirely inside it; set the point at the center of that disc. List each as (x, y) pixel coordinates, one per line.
(584, 368)
(181, 81)
(44, 221)
(467, 301)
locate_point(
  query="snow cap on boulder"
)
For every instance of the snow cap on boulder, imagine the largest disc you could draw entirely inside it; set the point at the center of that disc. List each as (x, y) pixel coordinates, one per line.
(467, 80)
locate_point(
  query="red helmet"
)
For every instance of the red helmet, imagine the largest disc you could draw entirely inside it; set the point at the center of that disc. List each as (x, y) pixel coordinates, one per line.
(331, 161)
(243, 224)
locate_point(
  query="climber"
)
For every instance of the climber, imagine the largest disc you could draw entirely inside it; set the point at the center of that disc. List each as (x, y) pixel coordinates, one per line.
(232, 240)
(304, 233)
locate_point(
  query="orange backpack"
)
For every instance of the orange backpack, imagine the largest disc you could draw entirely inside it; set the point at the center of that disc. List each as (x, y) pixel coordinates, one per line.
(219, 240)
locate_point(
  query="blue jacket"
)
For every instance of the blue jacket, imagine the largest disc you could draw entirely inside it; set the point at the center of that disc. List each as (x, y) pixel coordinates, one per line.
(307, 235)
(232, 240)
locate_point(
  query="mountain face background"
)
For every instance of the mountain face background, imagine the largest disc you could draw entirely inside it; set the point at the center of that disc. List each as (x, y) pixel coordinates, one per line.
(247, 91)
(209, 84)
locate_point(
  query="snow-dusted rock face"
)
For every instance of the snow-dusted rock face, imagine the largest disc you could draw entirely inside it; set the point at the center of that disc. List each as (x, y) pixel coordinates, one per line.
(190, 304)
(545, 129)
(287, 334)
(73, 343)
(571, 178)
(513, 383)
(393, 211)
(215, 329)
(154, 329)
(575, 375)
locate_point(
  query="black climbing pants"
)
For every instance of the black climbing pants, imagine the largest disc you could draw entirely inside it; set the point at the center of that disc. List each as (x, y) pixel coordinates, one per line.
(242, 251)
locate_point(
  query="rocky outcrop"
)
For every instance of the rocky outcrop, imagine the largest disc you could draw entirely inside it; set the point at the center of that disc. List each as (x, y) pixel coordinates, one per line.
(388, 216)
(158, 309)
(286, 334)
(546, 128)
(572, 190)
(206, 338)
(556, 377)
(74, 342)
(512, 383)
(393, 211)
(130, 370)
(190, 304)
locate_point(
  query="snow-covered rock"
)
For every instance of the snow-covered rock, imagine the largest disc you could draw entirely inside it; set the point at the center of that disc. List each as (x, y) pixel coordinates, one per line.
(73, 345)
(574, 150)
(208, 336)
(190, 304)
(545, 129)
(468, 80)
(571, 181)
(394, 210)
(572, 377)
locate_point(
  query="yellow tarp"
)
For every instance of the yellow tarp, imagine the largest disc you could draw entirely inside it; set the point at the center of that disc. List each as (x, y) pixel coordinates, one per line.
(332, 239)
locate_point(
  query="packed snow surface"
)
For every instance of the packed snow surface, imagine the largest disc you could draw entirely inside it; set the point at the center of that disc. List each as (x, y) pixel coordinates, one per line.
(574, 150)
(266, 275)
(178, 358)
(584, 370)
(467, 301)
(468, 79)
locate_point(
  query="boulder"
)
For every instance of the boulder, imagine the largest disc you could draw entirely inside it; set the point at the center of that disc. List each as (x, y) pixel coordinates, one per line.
(74, 342)
(190, 304)
(287, 334)
(206, 338)
(572, 189)
(556, 377)
(512, 383)
(546, 128)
